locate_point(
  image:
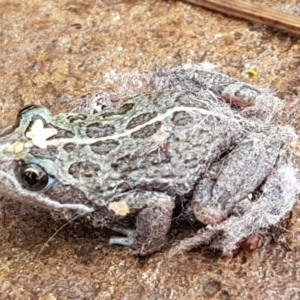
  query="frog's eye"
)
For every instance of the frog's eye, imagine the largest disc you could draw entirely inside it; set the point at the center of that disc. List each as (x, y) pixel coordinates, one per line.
(33, 177)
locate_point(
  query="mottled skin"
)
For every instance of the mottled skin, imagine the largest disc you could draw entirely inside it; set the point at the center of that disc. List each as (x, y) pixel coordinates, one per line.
(153, 152)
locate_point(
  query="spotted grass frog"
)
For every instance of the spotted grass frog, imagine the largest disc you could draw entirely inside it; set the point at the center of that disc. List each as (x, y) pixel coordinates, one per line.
(209, 151)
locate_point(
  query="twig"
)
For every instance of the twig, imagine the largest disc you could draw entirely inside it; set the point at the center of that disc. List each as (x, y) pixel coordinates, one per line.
(253, 12)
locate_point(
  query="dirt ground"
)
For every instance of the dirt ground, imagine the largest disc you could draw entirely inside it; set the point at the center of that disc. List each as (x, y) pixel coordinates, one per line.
(54, 51)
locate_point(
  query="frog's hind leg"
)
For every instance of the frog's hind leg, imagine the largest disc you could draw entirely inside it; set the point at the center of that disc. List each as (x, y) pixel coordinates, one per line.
(231, 179)
(152, 224)
(279, 194)
(277, 198)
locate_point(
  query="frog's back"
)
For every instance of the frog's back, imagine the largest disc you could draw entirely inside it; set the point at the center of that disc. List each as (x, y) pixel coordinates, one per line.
(161, 141)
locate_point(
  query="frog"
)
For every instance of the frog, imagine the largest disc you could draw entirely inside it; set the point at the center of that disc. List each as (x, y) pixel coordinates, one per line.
(210, 150)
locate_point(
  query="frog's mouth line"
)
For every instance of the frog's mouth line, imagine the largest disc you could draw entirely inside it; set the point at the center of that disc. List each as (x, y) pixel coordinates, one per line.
(36, 197)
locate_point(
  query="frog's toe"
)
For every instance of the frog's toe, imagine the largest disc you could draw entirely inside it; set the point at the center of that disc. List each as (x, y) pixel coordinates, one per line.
(128, 240)
(252, 242)
(207, 215)
(124, 241)
(125, 231)
(139, 244)
(203, 236)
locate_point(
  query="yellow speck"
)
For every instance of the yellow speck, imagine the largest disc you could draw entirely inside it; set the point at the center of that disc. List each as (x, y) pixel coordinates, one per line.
(14, 148)
(19, 147)
(120, 208)
(252, 72)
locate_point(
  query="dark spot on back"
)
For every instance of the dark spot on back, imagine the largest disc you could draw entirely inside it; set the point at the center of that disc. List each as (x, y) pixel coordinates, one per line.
(104, 147)
(75, 118)
(141, 119)
(84, 169)
(186, 99)
(134, 161)
(123, 187)
(181, 118)
(63, 134)
(49, 152)
(125, 108)
(97, 130)
(69, 147)
(147, 130)
(162, 99)
(107, 114)
(124, 163)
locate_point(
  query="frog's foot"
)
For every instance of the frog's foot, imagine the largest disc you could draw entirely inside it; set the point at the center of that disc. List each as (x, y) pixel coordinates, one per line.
(135, 242)
(279, 194)
(152, 224)
(128, 240)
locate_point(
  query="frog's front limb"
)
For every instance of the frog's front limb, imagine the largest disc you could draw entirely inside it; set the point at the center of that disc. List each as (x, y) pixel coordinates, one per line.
(230, 181)
(152, 224)
(278, 196)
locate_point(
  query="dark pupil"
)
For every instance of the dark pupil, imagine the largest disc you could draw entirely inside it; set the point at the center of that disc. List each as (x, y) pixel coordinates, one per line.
(33, 177)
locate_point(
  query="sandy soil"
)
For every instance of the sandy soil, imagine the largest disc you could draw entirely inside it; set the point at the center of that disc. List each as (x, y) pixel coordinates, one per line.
(54, 51)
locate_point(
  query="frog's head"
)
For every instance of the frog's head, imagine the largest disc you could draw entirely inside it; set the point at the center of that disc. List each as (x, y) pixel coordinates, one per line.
(31, 178)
